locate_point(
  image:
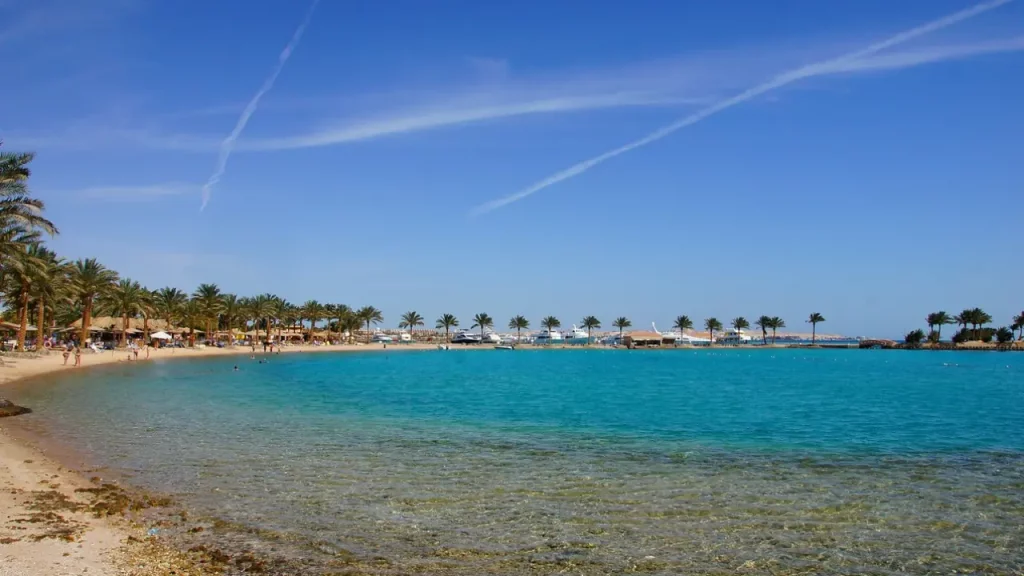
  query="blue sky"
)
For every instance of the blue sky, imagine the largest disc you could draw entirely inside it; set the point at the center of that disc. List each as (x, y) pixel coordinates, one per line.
(856, 158)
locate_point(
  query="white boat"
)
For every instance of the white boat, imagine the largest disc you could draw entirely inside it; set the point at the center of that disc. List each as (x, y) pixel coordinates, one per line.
(466, 337)
(405, 337)
(610, 340)
(576, 336)
(382, 338)
(734, 337)
(682, 338)
(548, 337)
(502, 347)
(442, 346)
(490, 338)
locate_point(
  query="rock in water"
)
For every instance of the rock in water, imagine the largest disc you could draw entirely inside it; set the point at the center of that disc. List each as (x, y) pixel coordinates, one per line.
(8, 408)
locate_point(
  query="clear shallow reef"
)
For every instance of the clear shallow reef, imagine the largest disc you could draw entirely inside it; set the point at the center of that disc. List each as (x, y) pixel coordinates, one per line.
(583, 462)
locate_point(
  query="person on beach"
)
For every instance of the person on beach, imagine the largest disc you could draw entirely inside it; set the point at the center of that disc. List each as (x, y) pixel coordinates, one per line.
(78, 356)
(135, 351)
(147, 351)
(67, 353)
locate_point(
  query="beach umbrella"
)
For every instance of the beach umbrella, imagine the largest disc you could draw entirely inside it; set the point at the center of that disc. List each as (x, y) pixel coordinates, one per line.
(160, 336)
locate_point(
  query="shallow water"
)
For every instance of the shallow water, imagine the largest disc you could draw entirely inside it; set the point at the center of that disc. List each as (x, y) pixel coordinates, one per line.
(587, 462)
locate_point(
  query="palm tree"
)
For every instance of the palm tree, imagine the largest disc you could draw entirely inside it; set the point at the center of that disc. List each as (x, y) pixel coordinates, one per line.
(590, 322)
(740, 323)
(191, 313)
(90, 280)
(350, 323)
(764, 323)
(167, 303)
(230, 313)
(683, 323)
(263, 308)
(712, 324)
(813, 319)
(1004, 336)
(207, 296)
(49, 290)
(313, 311)
(334, 313)
(621, 323)
(482, 321)
(126, 301)
(370, 315)
(938, 320)
(776, 323)
(21, 219)
(1018, 324)
(978, 319)
(23, 267)
(447, 322)
(550, 323)
(286, 314)
(411, 320)
(518, 323)
(147, 308)
(914, 338)
(963, 319)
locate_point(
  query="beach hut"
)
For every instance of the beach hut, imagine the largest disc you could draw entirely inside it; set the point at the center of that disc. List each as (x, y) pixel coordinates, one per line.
(642, 338)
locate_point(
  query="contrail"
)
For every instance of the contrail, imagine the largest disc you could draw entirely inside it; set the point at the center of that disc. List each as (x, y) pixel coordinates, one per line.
(228, 145)
(826, 67)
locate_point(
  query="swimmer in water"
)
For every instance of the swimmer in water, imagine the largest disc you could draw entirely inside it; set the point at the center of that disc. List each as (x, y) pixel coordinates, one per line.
(236, 368)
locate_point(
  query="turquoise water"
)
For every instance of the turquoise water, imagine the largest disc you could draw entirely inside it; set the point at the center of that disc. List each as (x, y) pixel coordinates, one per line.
(588, 462)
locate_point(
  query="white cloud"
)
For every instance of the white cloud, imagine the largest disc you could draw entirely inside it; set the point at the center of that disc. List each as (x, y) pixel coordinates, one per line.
(427, 119)
(698, 79)
(857, 60)
(138, 193)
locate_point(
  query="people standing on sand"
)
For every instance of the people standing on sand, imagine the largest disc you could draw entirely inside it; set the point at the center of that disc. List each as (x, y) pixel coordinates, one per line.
(78, 356)
(147, 351)
(135, 351)
(67, 352)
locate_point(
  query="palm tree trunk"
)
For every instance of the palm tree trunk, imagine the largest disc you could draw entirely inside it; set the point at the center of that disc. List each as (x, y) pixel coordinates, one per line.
(814, 328)
(22, 318)
(773, 336)
(40, 321)
(145, 328)
(191, 336)
(86, 321)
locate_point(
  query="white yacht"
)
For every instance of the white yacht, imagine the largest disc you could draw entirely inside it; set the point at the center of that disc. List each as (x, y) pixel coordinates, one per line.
(405, 338)
(733, 337)
(681, 338)
(576, 336)
(548, 337)
(466, 337)
(489, 338)
(382, 338)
